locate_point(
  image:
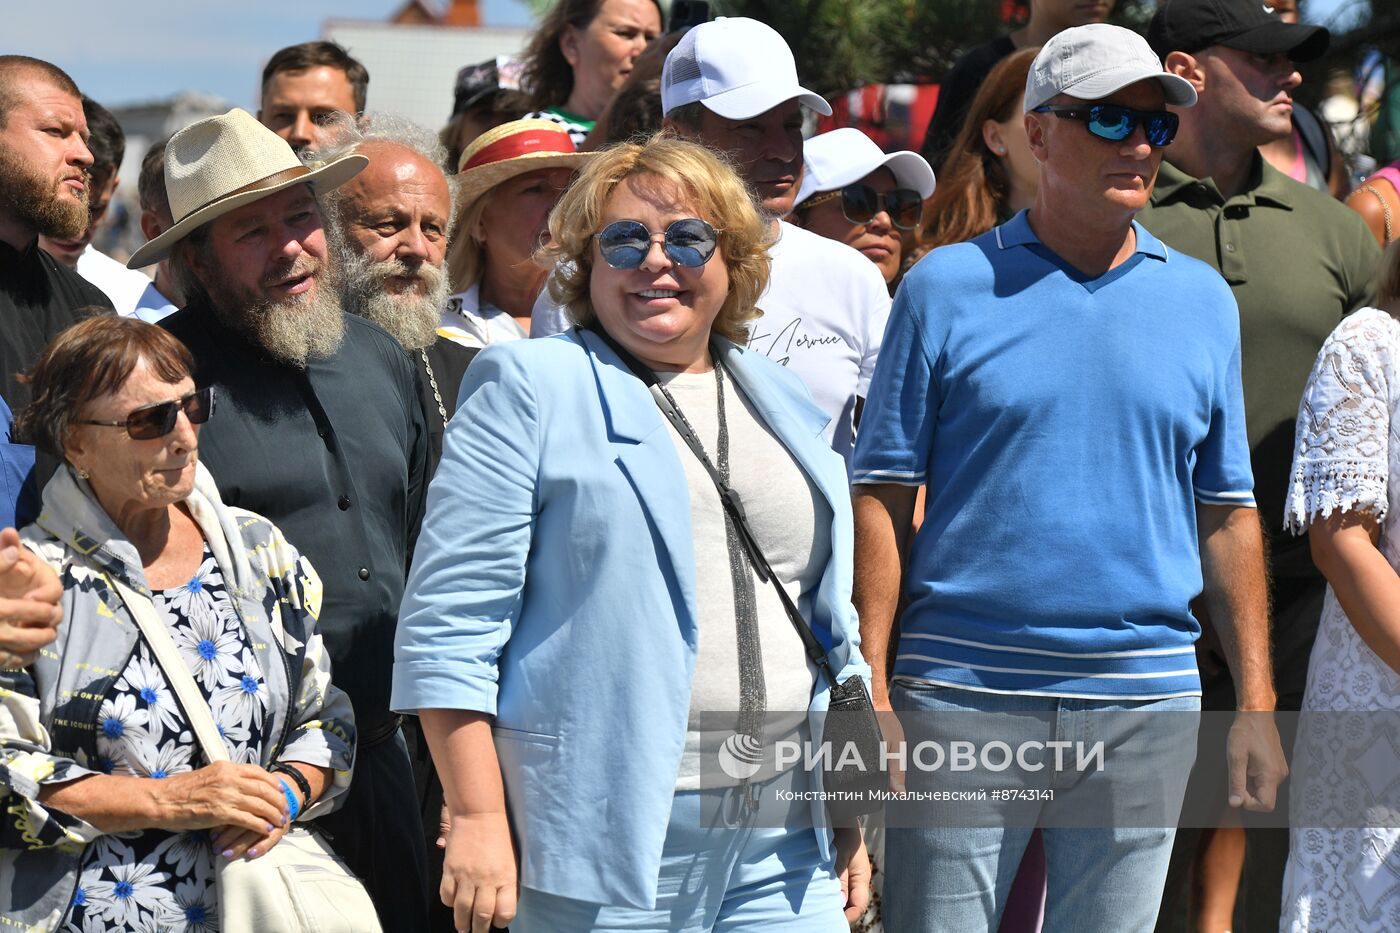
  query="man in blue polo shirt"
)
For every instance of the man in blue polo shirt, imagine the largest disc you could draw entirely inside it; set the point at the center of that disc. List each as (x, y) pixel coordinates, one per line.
(1068, 390)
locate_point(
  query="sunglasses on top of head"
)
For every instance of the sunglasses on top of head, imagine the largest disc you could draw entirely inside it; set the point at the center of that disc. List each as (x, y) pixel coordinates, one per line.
(158, 420)
(689, 242)
(1116, 123)
(860, 204)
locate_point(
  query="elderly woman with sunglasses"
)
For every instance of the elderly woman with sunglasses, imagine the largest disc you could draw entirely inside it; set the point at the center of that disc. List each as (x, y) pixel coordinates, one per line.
(854, 193)
(118, 821)
(581, 648)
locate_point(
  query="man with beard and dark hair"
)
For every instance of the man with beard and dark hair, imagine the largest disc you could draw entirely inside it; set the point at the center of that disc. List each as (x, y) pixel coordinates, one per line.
(44, 160)
(107, 143)
(392, 222)
(320, 429)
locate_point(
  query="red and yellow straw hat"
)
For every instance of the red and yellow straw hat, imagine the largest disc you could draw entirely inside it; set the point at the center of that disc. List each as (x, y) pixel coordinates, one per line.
(512, 149)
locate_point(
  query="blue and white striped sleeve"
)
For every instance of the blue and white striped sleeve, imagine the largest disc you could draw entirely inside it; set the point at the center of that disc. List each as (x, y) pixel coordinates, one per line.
(901, 409)
(1223, 475)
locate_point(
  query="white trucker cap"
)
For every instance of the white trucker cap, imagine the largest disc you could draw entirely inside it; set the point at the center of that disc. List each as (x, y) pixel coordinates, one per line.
(1091, 62)
(737, 67)
(843, 157)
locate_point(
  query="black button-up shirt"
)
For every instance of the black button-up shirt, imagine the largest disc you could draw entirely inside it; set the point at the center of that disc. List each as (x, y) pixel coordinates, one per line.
(335, 455)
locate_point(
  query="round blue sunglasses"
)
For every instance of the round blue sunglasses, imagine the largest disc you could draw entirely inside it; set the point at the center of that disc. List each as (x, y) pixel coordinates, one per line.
(625, 243)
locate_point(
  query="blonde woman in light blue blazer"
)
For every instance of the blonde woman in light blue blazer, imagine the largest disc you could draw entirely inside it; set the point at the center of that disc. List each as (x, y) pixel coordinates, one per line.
(550, 633)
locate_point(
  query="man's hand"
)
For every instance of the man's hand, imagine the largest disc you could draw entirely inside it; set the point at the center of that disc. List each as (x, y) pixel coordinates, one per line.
(892, 736)
(29, 596)
(853, 869)
(1257, 763)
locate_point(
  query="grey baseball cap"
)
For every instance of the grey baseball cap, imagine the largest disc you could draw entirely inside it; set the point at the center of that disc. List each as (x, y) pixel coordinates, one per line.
(1091, 62)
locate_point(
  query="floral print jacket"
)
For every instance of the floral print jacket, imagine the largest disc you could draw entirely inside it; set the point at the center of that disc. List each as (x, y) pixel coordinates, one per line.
(49, 711)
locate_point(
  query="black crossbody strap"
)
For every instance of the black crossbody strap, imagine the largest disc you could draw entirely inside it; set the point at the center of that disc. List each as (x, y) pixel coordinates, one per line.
(727, 497)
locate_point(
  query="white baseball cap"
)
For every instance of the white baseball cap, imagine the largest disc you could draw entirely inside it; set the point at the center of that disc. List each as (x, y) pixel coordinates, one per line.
(737, 67)
(843, 157)
(1091, 62)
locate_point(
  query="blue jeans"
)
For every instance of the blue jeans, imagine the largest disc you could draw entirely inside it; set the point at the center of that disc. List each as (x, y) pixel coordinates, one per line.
(955, 874)
(718, 874)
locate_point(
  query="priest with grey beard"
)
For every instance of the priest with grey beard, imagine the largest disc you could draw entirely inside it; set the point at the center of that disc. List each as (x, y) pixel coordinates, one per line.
(319, 428)
(391, 226)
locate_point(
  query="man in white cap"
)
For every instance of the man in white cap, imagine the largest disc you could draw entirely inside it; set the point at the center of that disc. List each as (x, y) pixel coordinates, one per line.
(1068, 390)
(854, 193)
(732, 85)
(321, 430)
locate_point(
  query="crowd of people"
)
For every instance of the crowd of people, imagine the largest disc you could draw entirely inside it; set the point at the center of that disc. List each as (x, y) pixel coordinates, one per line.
(461, 504)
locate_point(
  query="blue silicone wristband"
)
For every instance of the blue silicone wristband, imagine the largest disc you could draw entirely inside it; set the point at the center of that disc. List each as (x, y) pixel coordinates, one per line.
(293, 805)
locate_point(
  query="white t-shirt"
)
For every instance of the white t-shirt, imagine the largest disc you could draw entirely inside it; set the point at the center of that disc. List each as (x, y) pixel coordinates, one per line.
(123, 286)
(784, 510)
(824, 315)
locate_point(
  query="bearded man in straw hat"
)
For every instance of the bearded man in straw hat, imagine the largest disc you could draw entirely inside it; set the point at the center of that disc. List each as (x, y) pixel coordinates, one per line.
(320, 429)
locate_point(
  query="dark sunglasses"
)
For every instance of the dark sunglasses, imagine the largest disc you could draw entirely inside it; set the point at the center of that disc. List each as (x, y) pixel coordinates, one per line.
(158, 420)
(1115, 123)
(625, 243)
(860, 204)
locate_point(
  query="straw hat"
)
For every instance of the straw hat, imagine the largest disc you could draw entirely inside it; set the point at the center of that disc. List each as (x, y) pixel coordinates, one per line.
(512, 149)
(217, 165)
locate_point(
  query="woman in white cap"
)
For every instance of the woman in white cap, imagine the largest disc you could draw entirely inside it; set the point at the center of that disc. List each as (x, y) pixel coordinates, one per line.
(510, 178)
(854, 193)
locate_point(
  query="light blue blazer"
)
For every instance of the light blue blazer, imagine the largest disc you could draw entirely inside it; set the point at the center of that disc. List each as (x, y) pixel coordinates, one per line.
(553, 586)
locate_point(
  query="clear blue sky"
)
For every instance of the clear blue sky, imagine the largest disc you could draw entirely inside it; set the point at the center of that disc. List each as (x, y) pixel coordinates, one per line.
(132, 50)
(123, 51)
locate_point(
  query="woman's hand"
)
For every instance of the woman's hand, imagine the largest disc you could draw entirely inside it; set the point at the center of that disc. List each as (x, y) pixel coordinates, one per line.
(222, 795)
(29, 595)
(478, 873)
(853, 869)
(234, 842)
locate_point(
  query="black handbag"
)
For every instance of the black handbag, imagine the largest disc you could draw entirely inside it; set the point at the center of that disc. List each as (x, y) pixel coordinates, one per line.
(853, 768)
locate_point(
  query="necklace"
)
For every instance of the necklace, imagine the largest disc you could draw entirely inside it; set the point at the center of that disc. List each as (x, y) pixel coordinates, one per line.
(432, 381)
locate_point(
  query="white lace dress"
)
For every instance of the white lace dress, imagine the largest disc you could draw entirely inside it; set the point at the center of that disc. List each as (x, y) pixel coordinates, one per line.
(1344, 850)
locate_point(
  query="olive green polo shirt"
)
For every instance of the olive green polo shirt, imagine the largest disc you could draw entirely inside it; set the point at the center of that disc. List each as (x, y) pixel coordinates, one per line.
(1297, 261)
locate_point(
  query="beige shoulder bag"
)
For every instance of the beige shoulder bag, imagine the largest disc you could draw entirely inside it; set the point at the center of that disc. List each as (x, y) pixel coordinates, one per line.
(299, 885)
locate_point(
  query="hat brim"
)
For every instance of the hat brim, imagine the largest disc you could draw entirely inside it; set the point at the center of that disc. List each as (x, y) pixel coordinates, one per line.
(741, 103)
(910, 170)
(323, 178)
(1302, 43)
(475, 182)
(1177, 89)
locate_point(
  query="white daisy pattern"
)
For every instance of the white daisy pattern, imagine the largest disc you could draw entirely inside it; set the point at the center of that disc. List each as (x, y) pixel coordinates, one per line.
(158, 880)
(144, 678)
(210, 648)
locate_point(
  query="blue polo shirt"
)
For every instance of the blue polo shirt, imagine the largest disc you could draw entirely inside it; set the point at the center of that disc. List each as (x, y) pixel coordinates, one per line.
(1065, 428)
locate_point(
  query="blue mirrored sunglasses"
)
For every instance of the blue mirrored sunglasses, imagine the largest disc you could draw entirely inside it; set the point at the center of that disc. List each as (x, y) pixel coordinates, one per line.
(689, 242)
(1115, 123)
